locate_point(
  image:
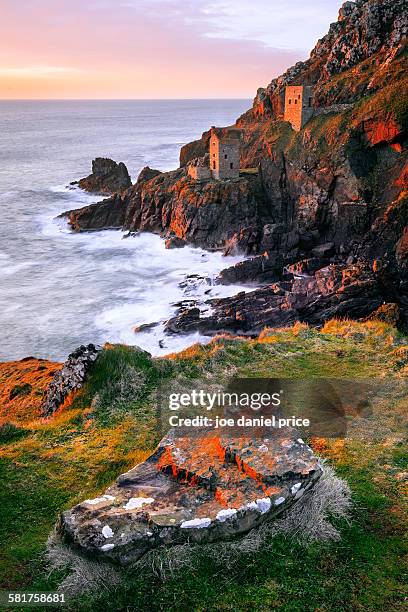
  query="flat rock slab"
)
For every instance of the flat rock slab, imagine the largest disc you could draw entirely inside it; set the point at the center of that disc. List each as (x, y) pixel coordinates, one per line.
(193, 489)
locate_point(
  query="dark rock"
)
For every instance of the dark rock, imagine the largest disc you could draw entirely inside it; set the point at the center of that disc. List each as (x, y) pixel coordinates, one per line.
(107, 177)
(259, 269)
(335, 291)
(186, 320)
(145, 327)
(174, 242)
(70, 377)
(193, 489)
(146, 174)
(108, 214)
(129, 235)
(324, 250)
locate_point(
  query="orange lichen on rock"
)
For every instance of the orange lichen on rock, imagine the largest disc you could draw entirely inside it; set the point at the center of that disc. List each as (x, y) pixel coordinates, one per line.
(194, 488)
(378, 131)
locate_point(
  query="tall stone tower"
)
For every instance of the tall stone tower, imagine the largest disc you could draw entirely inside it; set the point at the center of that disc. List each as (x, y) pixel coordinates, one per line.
(298, 105)
(224, 152)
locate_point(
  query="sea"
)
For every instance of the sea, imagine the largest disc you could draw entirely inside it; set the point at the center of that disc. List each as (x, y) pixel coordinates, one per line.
(60, 289)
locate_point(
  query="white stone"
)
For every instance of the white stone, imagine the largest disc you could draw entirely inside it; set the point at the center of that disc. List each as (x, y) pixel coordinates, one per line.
(94, 502)
(107, 532)
(251, 506)
(263, 504)
(106, 547)
(149, 533)
(138, 502)
(296, 488)
(300, 441)
(279, 501)
(196, 523)
(260, 505)
(223, 515)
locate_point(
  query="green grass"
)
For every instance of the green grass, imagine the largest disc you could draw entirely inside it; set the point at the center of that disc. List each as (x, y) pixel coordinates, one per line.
(112, 425)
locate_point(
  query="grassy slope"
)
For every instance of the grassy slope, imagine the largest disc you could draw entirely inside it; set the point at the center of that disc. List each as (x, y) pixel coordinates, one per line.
(46, 466)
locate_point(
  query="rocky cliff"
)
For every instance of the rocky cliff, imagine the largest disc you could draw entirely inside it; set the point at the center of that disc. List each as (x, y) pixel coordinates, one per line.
(333, 193)
(211, 214)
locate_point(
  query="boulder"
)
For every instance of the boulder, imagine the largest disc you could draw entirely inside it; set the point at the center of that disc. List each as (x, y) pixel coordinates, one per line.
(262, 268)
(107, 177)
(200, 489)
(309, 266)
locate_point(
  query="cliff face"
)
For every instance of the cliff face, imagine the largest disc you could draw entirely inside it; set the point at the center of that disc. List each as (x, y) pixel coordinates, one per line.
(340, 177)
(351, 61)
(209, 214)
(333, 193)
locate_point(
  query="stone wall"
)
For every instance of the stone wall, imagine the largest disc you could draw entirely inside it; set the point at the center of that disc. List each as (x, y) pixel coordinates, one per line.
(199, 173)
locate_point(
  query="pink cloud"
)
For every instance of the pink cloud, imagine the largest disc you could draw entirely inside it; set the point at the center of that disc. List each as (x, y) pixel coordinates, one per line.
(148, 48)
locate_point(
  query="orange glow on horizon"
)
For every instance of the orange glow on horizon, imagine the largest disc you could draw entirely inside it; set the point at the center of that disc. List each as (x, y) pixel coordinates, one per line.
(67, 49)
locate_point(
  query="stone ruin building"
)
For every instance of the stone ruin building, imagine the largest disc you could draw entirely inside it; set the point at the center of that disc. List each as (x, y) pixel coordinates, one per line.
(298, 105)
(223, 160)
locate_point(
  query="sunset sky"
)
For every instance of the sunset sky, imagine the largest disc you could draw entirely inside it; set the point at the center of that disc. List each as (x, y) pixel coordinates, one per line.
(153, 48)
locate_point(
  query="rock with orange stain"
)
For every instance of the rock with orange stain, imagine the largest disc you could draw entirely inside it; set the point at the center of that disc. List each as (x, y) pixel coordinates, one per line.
(206, 213)
(199, 488)
(380, 131)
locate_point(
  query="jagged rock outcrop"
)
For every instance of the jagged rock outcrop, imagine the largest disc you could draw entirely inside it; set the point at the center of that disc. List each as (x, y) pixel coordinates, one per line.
(146, 174)
(262, 268)
(199, 488)
(108, 214)
(70, 377)
(207, 214)
(335, 291)
(107, 177)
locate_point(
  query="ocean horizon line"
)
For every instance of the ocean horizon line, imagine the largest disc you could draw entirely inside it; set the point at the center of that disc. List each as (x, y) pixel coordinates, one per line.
(118, 99)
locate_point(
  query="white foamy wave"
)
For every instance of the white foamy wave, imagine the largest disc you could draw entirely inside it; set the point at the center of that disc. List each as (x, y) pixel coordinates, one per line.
(76, 193)
(155, 281)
